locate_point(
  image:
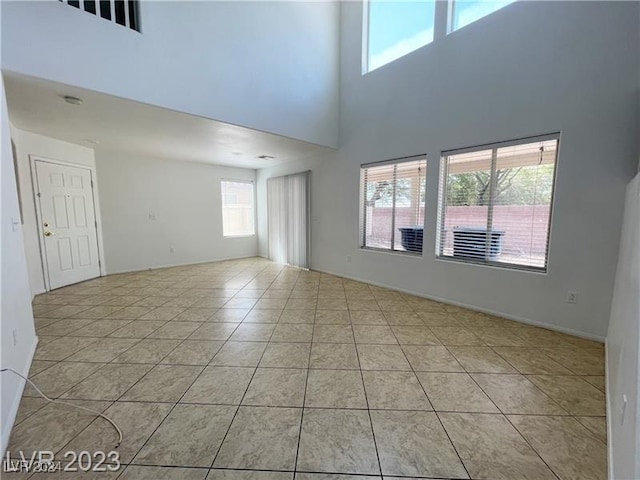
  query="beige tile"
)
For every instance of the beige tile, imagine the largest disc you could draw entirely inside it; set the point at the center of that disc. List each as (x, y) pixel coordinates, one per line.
(253, 332)
(214, 331)
(96, 312)
(515, 394)
(481, 360)
(62, 347)
(531, 361)
(332, 334)
(572, 393)
(439, 318)
(403, 318)
(179, 330)
(262, 316)
(301, 304)
(52, 427)
(132, 312)
(137, 329)
(286, 355)
(414, 444)
(239, 354)
(220, 385)
(367, 318)
(162, 313)
(455, 392)
(500, 337)
(193, 352)
(456, 336)
(332, 317)
(243, 303)
(382, 357)
(195, 314)
(61, 377)
(288, 332)
(248, 475)
(100, 328)
(164, 383)
(566, 446)
(394, 390)
(270, 303)
(138, 420)
(431, 359)
(189, 436)
(276, 387)
(337, 441)
(335, 389)
(104, 350)
(229, 315)
(377, 334)
(334, 356)
(138, 472)
(579, 361)
(409, 335)
(263, 438)
(297, 316)
(148, 350)
(38, 366)
(109, 382)
(29, 406)
(597, 381)
(362, 305)
(596, 425)
(64, 327)
(490, 447)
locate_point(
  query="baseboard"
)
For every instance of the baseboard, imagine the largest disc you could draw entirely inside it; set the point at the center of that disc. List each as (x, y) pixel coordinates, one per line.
(6, 428)
(515, 318)
(185, 264)
(607, 399)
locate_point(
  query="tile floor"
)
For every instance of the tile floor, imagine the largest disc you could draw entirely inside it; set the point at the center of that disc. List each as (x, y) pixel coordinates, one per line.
(247, 369)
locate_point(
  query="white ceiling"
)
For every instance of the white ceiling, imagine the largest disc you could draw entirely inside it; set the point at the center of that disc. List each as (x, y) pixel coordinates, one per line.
(138, 129)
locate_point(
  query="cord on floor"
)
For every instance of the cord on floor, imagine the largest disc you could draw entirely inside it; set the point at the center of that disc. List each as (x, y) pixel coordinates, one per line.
(68, 404)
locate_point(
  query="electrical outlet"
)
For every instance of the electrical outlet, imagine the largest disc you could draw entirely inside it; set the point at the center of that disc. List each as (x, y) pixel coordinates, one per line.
(172, 250)
(15, 337)
(572, 297)
(152, 216)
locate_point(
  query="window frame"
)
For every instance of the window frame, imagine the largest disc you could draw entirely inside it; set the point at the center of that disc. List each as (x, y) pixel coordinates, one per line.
(444, 11)
(253, 206)
(443, 192)
(362, 226)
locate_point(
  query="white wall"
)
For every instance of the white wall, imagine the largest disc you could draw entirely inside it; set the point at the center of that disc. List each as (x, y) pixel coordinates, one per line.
(271, 66)
(16, 316)
(623, 347)
(530, 68)
(185, 198)
(27, 144)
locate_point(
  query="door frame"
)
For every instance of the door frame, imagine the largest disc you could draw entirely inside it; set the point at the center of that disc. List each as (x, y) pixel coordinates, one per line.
(39, 228)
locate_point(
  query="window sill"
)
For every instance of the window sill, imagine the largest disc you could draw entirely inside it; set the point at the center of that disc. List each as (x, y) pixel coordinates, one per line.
(393, 252)
(497, 265)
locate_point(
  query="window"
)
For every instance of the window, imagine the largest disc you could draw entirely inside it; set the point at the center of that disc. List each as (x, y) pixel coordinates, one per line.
(464, 12)
(495, 203)
(394, 28)
(237, 208)
(122, 12)
(392, 198)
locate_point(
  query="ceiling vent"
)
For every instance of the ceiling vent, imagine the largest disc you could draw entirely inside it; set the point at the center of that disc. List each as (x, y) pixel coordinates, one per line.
(266, 157)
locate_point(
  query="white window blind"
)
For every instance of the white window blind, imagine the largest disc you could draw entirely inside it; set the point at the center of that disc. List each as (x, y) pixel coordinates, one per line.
(237, 208)
(392, 202)
(288, 208)
(495, 202)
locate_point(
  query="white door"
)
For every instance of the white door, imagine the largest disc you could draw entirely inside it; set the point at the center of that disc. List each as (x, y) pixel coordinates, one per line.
(68, 223)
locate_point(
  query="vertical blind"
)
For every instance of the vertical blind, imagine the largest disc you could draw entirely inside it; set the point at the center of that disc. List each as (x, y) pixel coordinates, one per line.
(495, 202)
(393, 198)
(288, 219)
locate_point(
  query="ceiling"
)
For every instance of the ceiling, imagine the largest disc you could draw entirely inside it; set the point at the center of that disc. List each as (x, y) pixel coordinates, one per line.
(138, 129)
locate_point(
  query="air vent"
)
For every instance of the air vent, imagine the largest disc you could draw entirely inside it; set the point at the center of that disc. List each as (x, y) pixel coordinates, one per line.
(266, 157)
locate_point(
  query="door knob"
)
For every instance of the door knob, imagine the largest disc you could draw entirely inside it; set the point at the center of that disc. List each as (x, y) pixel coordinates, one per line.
(48, 234)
